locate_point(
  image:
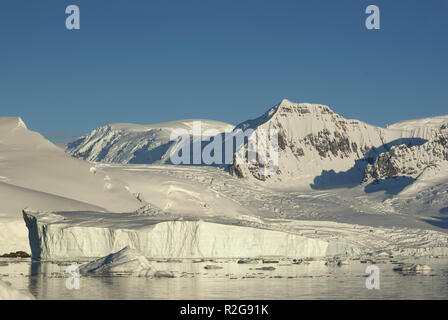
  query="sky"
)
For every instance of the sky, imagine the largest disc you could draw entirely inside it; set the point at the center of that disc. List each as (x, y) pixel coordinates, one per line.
(149, 61)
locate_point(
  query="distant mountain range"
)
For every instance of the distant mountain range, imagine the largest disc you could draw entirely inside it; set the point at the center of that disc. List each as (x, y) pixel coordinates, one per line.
(132, 143)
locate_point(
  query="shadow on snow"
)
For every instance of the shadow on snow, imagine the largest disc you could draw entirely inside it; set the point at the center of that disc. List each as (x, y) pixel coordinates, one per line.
(441, 222)
(329, 179)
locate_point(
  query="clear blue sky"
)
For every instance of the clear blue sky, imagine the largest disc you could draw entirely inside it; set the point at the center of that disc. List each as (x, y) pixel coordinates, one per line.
(147, 61)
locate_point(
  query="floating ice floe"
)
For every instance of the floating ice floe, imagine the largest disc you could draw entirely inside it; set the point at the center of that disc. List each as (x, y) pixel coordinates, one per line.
(413, 268)
(265, 268)
(299, 261)
(125, 261)
(247, 261)
(334, 261)
(212, 267)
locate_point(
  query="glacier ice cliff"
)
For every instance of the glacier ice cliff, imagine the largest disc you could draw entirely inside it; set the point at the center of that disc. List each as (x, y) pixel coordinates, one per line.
(79, 235)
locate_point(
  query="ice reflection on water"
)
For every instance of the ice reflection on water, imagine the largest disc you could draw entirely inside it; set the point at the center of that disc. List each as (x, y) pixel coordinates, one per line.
(234, 281)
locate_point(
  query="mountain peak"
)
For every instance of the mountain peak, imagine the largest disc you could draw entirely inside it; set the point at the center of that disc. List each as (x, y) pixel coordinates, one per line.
(285, 102)
(9, 123)
(21, 123)
(303, 108)
(312, 140)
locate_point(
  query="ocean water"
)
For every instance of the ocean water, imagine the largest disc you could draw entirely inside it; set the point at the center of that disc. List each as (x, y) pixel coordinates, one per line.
(47, 280)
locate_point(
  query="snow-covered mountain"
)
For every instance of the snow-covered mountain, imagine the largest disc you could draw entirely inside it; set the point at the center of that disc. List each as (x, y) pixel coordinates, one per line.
(317, 146)
(132, 143)
(423, 162)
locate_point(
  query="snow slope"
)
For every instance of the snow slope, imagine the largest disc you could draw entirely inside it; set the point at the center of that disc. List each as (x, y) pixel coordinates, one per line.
(132, 143)
(13, 233)
(423, 128)
(354, 205)
(30, 161)
(174, 195)
(34, 172)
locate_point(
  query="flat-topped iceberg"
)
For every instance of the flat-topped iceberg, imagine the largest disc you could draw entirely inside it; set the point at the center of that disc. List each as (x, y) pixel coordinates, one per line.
(79, 235)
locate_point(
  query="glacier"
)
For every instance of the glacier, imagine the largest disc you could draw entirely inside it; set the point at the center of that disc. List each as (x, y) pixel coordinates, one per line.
(64, 236)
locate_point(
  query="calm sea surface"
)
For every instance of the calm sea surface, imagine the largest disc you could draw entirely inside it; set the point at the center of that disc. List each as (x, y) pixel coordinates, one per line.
(235, 281)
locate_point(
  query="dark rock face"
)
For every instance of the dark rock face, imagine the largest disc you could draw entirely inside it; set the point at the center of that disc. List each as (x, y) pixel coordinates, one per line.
(327, 144)
(385, 167)
(282, 143)
(17, 254)
(235, 169)
(297, 151)
(409, 161)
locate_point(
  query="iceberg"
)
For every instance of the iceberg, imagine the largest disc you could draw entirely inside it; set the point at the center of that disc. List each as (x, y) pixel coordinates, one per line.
(127, 261)
(413, 268)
